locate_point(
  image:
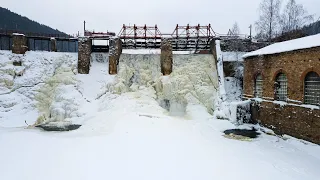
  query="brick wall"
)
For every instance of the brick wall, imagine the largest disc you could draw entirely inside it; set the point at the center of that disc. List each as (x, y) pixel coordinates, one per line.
(300, 122)
(295, 64)
(290, 118)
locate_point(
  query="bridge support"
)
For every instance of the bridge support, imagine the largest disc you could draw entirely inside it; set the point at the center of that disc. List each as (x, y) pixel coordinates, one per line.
(166, 57)
(53, 42)
(84, 54)
(213, 50)
(20, 43)
(114, 55)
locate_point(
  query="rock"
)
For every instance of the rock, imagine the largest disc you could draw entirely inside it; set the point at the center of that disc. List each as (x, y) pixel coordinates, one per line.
(17, 63)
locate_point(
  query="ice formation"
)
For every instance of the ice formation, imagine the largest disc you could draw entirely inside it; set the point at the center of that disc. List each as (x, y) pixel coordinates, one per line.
(27, 88)
(192, 82)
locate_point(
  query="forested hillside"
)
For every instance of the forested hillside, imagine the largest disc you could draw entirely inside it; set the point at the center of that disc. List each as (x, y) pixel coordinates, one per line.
(12, 21)
(312, 29)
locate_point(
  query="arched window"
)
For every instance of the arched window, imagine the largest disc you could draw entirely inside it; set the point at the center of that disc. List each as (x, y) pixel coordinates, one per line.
(281, 87)
(258, 86)
(312, 88)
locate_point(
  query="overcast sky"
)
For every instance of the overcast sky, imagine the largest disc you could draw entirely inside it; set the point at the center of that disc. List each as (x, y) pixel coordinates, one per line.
(103, 15)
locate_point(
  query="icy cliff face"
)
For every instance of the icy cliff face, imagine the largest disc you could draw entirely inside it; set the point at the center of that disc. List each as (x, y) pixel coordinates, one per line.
(136, 70)
(32, 88)
(192, 82)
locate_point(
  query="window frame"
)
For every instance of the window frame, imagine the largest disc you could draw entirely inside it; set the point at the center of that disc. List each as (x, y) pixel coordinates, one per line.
(311, 100)
(258, 92)
(281, 87)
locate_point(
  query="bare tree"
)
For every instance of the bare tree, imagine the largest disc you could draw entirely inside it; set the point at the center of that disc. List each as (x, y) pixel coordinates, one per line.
(294, 17)
(235, 29)
(268, 22)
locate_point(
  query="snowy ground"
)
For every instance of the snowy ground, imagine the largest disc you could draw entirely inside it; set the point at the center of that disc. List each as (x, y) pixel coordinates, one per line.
(129, 136)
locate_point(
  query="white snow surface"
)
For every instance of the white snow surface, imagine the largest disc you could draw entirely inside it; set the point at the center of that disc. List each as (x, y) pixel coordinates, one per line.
(296, 44)
(130, 136)
(151, 51)
(231, 56)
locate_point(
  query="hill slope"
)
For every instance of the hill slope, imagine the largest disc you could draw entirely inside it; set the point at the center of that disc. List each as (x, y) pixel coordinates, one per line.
(308, 30)
(312, 29)
(12, 21)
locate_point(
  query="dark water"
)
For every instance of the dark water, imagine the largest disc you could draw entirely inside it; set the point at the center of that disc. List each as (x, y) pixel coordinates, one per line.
(243, 132)
(59, 128)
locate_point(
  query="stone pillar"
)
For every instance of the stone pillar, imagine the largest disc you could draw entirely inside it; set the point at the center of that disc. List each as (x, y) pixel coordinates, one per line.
(19, 43)
(166, 57)
(114, 55)
(213, 50)
(53, 42)
(84, 54)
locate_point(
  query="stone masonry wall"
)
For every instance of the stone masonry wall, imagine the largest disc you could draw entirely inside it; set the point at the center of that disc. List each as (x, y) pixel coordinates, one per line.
(291, 117)
(241, 45)
(300, 122)
(114, 55)
(19, 44)
(84, 55)
(295, 64)
(166, 58)
(53, 42)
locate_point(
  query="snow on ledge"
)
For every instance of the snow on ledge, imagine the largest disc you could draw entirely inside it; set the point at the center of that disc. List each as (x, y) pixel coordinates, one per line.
(151, 51)
(286, 46)
(282, 103)
(232, 56)
(17, 34)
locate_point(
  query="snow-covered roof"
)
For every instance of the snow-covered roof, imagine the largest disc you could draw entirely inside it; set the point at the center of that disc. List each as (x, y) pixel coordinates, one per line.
(296, 44)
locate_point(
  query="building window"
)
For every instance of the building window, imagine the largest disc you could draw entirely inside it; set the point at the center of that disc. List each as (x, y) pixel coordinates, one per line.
(312, 88)
(281, 87)
(258, 86)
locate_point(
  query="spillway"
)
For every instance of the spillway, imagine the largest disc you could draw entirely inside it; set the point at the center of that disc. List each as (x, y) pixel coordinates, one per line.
(193, 81)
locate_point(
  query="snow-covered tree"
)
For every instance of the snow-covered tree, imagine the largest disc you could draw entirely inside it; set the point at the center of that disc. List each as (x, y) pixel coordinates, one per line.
(268, 23)
(294, 16)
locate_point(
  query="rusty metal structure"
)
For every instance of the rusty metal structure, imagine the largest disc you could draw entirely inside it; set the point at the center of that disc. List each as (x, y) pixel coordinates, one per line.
(99, 35)
(183, 38)
(192, 37)
(140, 36)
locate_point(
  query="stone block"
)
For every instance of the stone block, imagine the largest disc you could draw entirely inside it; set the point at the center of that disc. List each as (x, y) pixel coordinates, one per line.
(293, 120)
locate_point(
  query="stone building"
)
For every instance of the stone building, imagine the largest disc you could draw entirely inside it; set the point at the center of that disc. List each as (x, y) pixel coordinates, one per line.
(283, 82)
